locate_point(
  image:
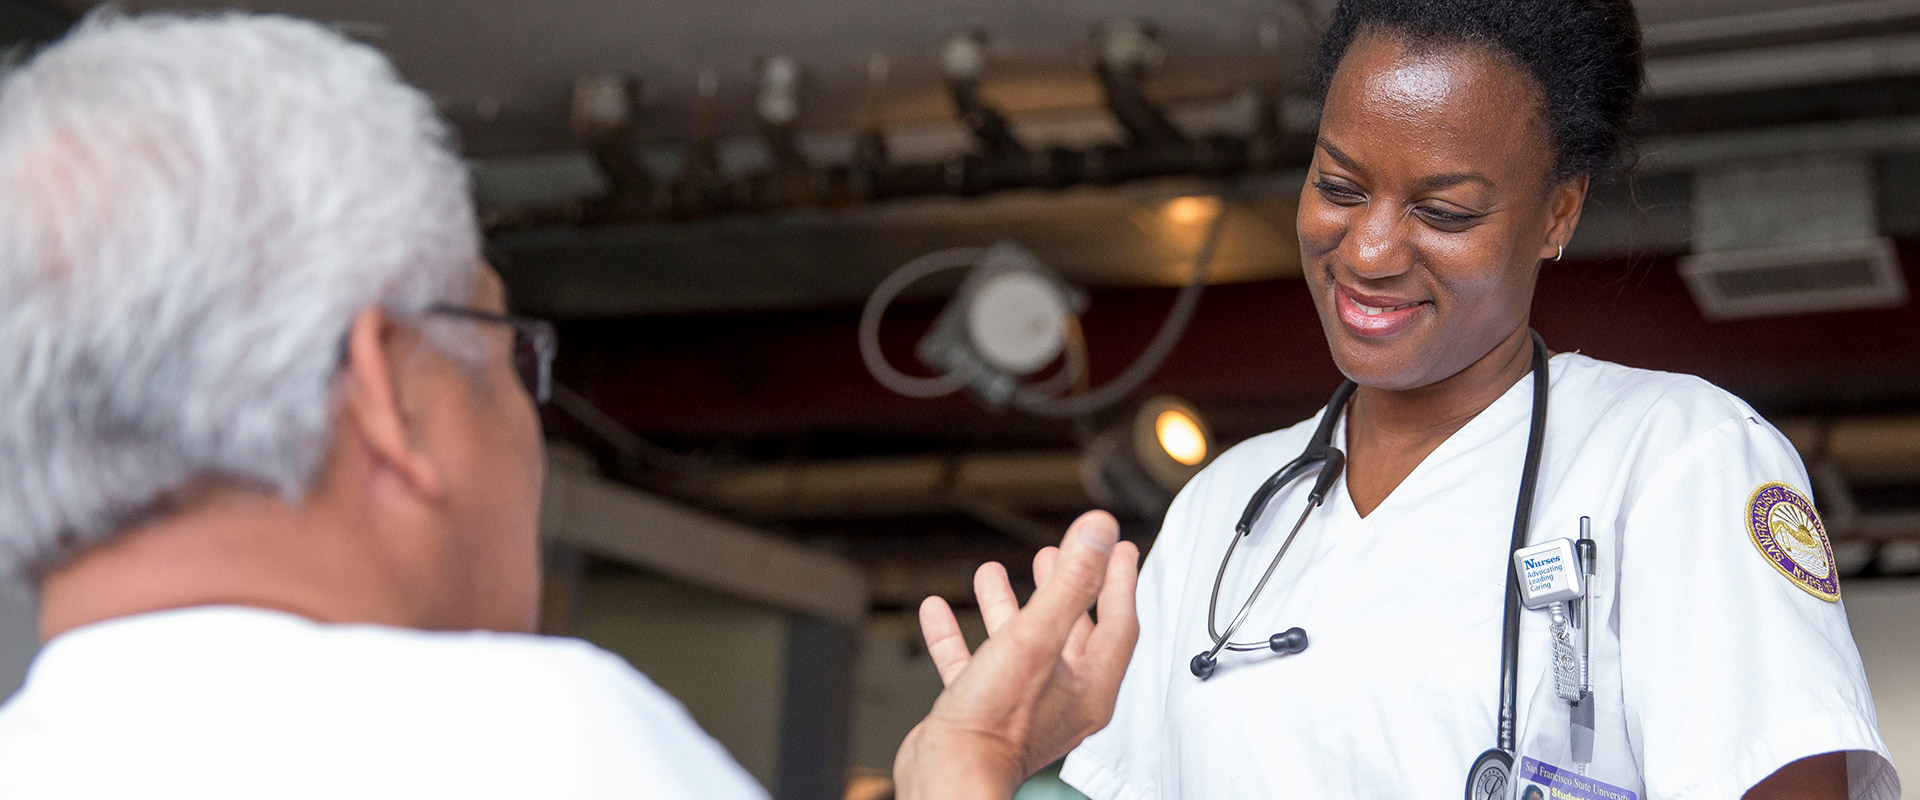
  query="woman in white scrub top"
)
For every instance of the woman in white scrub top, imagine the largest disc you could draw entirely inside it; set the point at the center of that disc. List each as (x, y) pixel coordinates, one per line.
(1456, 145)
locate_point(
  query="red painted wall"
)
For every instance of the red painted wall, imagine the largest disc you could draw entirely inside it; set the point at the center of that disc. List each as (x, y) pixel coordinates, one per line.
(1256, 344)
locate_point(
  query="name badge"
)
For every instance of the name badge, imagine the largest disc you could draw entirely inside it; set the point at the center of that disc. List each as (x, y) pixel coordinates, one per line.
(1542, 781)
(1549, 573)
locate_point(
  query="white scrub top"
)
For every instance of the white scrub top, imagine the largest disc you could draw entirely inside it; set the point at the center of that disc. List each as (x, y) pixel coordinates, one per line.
(1716, 656)
(223, 703)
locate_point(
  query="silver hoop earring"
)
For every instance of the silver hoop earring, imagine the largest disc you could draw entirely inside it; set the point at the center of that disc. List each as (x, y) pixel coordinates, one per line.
(1562, 253)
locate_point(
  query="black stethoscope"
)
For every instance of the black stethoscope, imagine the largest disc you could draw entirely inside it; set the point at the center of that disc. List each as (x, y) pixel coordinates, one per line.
(1487, 778)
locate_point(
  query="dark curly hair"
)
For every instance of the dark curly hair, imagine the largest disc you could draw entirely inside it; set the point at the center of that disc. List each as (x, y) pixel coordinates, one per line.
(1583, 54)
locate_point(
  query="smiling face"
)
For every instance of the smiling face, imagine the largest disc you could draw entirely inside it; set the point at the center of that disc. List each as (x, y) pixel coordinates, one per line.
(1427, 209)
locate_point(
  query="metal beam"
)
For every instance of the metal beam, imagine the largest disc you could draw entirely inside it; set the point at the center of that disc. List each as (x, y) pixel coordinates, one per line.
(998, 489)
(625, 524)
(506, 181)
(1799, 20)
(1876, 136)
(817, 729)
(905, 485)
(22, 21)
(560, 590)
(1784, 66)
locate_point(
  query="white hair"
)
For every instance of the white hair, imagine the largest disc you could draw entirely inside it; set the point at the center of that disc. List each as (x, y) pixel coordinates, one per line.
(193, 209)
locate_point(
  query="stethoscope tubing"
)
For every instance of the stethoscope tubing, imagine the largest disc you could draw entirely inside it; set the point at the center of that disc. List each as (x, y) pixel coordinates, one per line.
(1225, 640)
(1331, 461)
(1522, 519)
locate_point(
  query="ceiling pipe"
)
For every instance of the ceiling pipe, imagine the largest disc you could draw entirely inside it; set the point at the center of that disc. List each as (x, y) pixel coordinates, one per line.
(1840, 454)
(902, 485)
(1264, 145)
(777, 108)
(870, 155)
(1001, 160)
(1125, 55)
(604, 106)
(999, 489)
(963, 59)
(791, 181)
(1802, 23)
(700, 184)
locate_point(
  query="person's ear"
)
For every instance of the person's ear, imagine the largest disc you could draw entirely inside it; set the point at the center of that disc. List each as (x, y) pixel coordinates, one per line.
(376, 411)
(1564, 203)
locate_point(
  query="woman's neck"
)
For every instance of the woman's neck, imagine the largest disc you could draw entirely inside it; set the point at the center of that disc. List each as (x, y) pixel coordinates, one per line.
(1438, 409)
(1390, 432)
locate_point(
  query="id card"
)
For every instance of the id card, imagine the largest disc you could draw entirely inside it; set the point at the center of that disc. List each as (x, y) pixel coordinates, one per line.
(1542, 781)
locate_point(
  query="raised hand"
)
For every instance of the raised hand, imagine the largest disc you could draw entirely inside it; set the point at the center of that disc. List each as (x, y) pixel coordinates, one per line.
(1045, 679)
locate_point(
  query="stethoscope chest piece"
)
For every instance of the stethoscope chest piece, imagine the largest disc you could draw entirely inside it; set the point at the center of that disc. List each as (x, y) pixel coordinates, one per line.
(1487, 780)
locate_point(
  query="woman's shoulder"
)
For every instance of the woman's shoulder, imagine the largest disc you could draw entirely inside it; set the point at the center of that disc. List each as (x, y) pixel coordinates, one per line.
(1645, 416)
(1603, 393)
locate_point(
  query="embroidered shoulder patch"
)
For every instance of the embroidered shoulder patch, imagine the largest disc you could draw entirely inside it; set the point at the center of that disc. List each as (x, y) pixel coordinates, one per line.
(1788, 532)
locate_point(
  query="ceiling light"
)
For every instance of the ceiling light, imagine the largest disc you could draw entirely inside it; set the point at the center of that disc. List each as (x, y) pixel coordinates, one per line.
(603, 103)
(1191, 210)
(1170, 440)
(1138, 465)
(1008, 320)
(779, 101)
(1180, 436)
(963, 57)
(1129, 46)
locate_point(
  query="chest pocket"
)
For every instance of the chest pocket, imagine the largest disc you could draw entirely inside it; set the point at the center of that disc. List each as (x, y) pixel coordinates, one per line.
(1564, 761)
(1569, 752)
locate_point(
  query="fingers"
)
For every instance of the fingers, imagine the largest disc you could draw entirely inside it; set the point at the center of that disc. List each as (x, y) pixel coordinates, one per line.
(997, 601)
(945, 645)
(1075, 579)
(1116, 591)
(1076, 639)
(1043, 564)
(1110, 646)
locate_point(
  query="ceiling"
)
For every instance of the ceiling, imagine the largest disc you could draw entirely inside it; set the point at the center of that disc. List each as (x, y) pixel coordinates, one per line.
(502, 70)
(731, 336)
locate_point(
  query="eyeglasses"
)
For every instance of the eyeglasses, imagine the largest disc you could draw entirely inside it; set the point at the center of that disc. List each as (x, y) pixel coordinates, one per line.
(534, 345)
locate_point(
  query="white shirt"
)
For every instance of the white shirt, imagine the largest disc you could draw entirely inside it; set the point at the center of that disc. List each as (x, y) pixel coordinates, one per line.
(227, 702)
(1711, 667)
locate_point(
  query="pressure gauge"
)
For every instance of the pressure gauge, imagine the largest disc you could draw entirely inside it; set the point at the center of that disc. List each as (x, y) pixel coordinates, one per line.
(1007, 321)
(1017, 322)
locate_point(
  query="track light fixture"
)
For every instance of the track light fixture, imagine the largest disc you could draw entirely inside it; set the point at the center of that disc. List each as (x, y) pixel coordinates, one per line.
(1140, 462)
(603, 103)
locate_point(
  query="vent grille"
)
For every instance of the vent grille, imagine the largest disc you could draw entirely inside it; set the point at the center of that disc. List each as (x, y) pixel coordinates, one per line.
(1823, 276)
(1801, 279)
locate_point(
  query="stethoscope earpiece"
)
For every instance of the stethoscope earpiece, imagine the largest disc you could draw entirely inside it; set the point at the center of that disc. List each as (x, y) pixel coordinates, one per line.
(1291, 640)
(1287, 642)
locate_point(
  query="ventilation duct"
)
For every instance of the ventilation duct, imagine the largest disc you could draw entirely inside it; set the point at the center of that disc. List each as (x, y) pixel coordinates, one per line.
(1795, 279)
(1800, 236)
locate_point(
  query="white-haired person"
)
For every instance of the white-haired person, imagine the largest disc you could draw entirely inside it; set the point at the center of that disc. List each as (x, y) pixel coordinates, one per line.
(270, 456)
